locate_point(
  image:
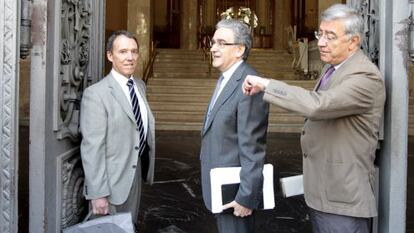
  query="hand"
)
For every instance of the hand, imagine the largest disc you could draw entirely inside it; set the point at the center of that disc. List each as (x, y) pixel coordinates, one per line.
(239, 210)
(254, 84)
(100, 206)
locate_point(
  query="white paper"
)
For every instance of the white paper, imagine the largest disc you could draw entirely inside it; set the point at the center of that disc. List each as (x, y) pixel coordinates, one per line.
(292, 185)
(231, 175)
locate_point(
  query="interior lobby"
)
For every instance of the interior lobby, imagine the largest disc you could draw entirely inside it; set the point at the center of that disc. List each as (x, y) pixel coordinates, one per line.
(174, 61)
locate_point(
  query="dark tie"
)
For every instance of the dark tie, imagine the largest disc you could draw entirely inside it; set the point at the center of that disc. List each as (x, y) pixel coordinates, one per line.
(213, 99)
(137, 114)
(326, 77)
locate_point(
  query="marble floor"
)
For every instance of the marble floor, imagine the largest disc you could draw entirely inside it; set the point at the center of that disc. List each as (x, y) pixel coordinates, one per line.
(174, 204)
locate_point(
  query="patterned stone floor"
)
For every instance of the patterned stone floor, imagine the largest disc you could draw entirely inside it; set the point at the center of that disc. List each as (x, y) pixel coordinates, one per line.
(174, 205)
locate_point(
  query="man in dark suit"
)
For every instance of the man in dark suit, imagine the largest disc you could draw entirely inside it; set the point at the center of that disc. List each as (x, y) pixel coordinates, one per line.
(341, 131)
(118, 145)
(234, 132)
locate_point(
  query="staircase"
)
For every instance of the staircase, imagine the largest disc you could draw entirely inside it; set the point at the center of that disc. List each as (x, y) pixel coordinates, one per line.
(181, 87)
(272, 63)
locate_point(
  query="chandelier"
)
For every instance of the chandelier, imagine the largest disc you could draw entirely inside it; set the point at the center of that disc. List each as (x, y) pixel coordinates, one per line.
(244, 14)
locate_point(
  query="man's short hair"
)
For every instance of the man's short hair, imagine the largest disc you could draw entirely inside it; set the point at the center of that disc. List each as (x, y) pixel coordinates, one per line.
(242, 33)
(352, 19)
(111, 39)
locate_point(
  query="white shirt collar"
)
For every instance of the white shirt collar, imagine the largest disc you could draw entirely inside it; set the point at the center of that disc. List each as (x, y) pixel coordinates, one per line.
(122, 80)
(228, 73)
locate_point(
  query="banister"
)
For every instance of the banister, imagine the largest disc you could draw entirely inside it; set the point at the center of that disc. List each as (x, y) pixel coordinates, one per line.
(148, 70)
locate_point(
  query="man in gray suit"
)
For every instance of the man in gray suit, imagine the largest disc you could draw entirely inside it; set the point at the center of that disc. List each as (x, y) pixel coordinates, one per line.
(341, 131)
(234, 132)
(118, 144)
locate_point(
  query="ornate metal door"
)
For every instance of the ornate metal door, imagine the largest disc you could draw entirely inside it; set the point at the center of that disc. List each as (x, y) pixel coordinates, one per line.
(67, 56)
(370, 13)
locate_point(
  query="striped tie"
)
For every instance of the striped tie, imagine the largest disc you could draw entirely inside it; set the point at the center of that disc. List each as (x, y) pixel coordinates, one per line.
(137, 114)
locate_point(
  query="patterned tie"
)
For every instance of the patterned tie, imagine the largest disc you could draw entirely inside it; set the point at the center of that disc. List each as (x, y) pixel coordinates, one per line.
(213, 99)
(137, 114)
(326, 77)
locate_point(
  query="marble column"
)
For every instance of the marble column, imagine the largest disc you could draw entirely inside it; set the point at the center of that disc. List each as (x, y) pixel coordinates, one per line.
(262, 12)
(323, 4)
(281, 20)
(392, 160)
(139, 23)
(211, 15)
(189, 24)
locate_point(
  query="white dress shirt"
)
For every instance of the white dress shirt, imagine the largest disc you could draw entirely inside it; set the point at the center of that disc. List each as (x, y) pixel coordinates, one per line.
(227, 75)
(122, 81)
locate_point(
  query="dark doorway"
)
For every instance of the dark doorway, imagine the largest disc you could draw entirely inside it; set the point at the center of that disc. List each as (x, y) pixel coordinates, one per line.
(305, 17)
(167, 23)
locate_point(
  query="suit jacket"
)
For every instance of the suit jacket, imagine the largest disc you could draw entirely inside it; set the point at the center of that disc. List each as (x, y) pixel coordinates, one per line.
(235, 135)
(109, 147)
(339, 137)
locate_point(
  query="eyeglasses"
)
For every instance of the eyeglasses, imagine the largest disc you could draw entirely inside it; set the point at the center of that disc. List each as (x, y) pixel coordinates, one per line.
(329, 36)
(221, 43)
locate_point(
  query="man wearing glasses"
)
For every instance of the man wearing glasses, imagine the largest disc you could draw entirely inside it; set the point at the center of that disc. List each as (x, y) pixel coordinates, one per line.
(234, 131)
(341, 130)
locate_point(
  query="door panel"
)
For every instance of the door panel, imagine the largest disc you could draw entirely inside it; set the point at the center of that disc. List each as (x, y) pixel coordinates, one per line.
(67, 57)
(370, 12)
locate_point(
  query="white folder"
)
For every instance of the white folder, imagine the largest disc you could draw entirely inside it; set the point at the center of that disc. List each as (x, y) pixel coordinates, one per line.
(292, 185)
(231, 175)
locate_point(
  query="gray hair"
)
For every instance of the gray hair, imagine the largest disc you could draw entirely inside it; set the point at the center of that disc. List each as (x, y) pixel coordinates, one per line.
(242, 33)
(352, 19)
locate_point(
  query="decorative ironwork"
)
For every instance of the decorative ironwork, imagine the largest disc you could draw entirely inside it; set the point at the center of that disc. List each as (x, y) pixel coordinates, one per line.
(8, 78)
(74, 64)
(370, 12)
(74, 205)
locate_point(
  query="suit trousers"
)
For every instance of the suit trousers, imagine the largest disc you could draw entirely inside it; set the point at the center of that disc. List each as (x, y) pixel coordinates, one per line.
(228, 223)
(332, 223)
(133, 201)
